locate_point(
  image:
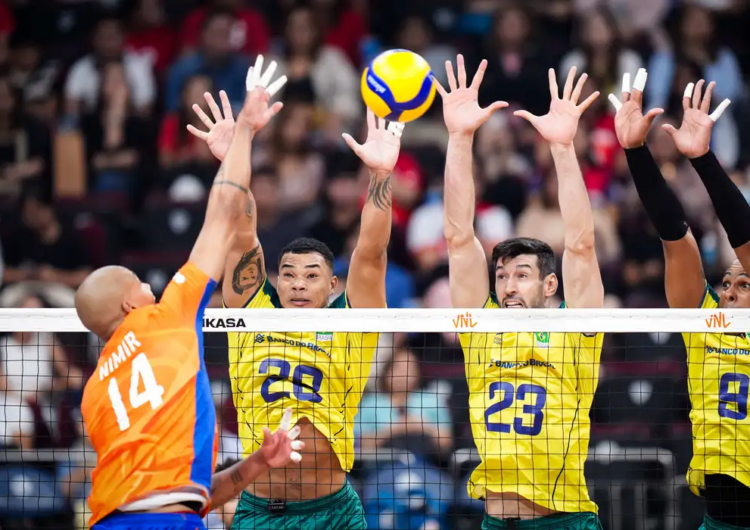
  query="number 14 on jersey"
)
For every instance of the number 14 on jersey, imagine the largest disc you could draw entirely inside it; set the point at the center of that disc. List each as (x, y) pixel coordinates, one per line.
(152, 392)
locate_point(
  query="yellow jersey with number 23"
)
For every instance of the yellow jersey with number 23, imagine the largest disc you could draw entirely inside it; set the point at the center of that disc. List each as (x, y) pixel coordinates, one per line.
(320, 375)
(529, 401)
(718, 381)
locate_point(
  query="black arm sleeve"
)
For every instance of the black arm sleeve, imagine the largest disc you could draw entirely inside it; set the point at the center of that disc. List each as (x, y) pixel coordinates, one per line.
(731, 207)
(661, 204)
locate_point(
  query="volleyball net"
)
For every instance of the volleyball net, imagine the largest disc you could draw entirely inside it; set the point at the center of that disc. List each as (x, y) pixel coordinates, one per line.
(415, 443)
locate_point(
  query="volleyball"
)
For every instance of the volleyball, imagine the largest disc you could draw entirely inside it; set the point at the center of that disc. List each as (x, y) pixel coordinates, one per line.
(397, 86)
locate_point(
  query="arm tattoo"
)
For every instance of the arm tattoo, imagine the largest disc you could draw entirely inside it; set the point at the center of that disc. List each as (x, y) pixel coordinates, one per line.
(230, 183)
(379, 192)
(249, 209)
(249, 272)
(236, 476)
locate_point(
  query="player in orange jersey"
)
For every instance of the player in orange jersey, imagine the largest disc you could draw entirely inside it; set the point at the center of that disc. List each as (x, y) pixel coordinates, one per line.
(148, 406)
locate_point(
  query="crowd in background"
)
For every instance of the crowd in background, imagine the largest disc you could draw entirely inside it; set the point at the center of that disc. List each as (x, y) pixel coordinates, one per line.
(97, 167)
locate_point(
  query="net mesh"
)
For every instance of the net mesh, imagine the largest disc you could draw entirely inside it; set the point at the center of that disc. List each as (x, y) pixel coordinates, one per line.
(416, 437)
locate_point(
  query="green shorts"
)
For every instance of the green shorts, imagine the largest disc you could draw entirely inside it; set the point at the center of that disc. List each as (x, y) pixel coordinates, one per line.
(339, 511)
(713, 524)
(561, 521)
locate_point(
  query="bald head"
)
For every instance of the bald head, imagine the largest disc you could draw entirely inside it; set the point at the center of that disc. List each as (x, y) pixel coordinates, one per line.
(106, 296)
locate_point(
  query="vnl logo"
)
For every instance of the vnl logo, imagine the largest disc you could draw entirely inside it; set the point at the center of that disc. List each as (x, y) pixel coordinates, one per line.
(465, 321)
(717, 321)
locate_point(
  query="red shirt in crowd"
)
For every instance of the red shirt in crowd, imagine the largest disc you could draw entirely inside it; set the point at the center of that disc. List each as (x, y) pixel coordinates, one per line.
(158, 44)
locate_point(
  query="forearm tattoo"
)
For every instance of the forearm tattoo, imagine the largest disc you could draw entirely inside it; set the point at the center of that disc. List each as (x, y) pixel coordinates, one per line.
(221, 181)
(249, 272)
(379, 192)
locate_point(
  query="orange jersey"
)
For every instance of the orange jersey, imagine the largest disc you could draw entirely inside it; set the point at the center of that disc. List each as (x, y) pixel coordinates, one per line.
(148, 406)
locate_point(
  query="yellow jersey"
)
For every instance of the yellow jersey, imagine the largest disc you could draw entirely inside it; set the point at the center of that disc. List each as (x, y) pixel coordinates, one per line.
(718, 382)
(320, 375)
(529, 401)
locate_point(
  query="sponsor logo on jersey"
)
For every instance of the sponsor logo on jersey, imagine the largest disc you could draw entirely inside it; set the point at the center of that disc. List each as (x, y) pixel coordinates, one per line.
(542, 339)
(324, 336)
(261, 338)
(519, 364)
(223, 323)
(727, 351)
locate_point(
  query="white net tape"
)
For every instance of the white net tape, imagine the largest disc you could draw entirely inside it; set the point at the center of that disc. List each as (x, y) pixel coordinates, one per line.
(424, 320)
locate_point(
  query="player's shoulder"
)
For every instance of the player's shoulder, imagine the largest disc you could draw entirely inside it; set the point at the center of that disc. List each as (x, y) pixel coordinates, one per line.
(710, 298)
(266, 297)
(340, 302)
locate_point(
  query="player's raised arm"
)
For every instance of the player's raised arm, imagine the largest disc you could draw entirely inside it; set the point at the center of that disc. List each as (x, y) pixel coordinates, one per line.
(693, 140)
(684, 280)
(581, 275)
(469, 279)
(366, 285)
(244, 267)
(277, 450)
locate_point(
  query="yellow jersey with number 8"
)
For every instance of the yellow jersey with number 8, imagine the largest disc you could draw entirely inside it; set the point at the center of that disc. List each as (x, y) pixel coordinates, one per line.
(320, 375)
(529, 401)
(718, 382)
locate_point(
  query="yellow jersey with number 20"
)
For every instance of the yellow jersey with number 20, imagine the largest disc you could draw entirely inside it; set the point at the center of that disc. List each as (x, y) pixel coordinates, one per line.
(320, 375)
(718, 381)
(529, 401)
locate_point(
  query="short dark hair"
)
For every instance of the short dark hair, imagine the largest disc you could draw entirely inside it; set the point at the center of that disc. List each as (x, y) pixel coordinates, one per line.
(308, 245)
(215, 13)
(512, 248)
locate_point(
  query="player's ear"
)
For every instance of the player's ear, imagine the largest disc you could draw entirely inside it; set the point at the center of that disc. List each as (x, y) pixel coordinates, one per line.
(334, 284)
(550, 285)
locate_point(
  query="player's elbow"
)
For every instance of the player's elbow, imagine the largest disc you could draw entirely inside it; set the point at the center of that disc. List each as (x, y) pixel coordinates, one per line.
(226, 204)
(582, 244)
(458, 239)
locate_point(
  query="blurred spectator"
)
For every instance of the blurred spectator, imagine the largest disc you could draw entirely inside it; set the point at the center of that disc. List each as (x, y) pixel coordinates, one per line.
(249, 32)
(115, 139)
(7, 25)
(402, 416)
(42, 248)
(150, 36)
(342, 211)
(342, 24)
(230, 447)
(275, 229)
(177, 147)
(696, 42)
(304, 58)
(36, 364)
(601, 52)
(416, 34)
(299, 167)
(425, 237)
(24, 143)
(16, 419)
(517, 70)
(84, 82)
(215, 58)
(633, 17)
(32, 74)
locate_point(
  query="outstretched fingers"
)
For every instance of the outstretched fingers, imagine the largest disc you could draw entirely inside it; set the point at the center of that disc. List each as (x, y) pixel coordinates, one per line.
(579, 88)
(352, 143)
(526, 115)
(568, 88)
(202, 115)
(226, 105)
(451, 76)
(479, 76)
(494, 107)
(686, 97)
(461, 67)
(706, 102)
(440, 89)
(554, 91)
(198, 134)
(639, 84)
(588, 101)
(652, 114)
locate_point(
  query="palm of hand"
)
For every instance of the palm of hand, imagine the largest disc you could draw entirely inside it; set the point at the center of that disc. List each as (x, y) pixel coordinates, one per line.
(461, 111)
(560, 124)
(631, 126)
(220, 137)
(693, 137)
(380, 151)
